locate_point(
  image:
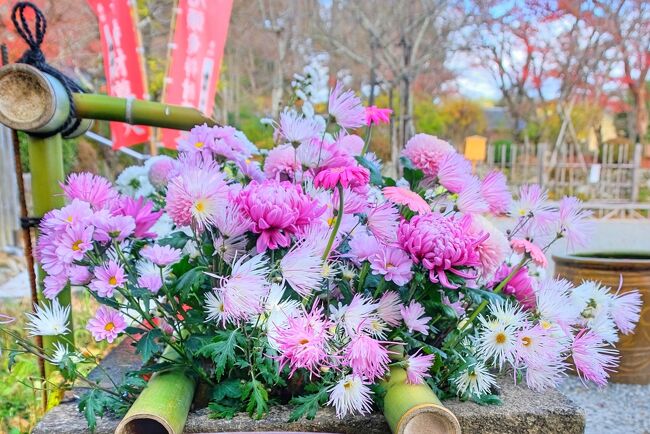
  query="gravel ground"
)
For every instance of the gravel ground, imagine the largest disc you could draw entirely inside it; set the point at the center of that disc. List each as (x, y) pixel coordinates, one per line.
(616, 408)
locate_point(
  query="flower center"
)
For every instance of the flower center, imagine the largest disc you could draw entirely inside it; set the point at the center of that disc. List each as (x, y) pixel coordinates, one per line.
(526, 341)
(198, 145)
(75, 245)
(199, 206)
(69, 219)
(545, 325)
(347, 385)
(303, 341)
(500, 338)
(112, 281)
(109, 326)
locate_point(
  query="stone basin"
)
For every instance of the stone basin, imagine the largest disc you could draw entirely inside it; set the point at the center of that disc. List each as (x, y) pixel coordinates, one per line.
(523, 412)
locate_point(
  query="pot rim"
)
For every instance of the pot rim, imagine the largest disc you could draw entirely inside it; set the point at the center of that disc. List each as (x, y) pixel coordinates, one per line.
(584, 258)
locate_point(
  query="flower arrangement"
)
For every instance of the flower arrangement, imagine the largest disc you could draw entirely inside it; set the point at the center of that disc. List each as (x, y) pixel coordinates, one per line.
(302, 275)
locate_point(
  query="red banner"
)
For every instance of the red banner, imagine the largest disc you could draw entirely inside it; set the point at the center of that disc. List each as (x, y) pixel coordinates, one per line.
(196, 54)
(122, 64)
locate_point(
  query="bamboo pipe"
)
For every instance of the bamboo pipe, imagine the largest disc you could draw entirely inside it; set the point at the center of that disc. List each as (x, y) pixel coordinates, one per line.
(163, 405)
(46, 162)
(35, 102)
(414, 408)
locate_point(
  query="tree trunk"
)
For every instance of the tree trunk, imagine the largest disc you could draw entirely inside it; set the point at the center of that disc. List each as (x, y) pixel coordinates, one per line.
(641, 112)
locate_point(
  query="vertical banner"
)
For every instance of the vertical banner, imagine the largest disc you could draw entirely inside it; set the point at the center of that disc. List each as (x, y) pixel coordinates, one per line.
(196, 53)
(123, 66)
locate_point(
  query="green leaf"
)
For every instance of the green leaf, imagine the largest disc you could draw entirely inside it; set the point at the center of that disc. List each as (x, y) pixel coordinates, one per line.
(487, 400)
(176, 240)
(190, 281)
(230, 388)
(257, 397)
(222, 410)
(222, 350)
(147, 346)
(375, 174)
(92, 406)
(308, 405)
(411, 174)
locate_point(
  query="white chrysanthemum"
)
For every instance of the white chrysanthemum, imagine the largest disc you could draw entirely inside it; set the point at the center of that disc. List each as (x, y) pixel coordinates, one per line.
(554, 305)
(357, 314)
(277, 313)
(134, 182)
(48, 320)
(476, 380)
(302, 269)
(376, 327)
(163, 226)
(350, 395)
(546, 375)
(60, 352)
(144, 267)
(508, 314)
(496, 341)
(592, 299)
(214, 307)
(605, 327)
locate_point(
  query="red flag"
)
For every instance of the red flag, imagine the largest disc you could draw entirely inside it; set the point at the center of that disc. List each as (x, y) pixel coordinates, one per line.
(196, 54)
(122, 64)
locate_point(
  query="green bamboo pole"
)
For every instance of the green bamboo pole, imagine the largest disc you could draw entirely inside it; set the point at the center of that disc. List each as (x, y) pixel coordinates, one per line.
(163, 405)
(46, 164)
(155, 114)
(414, 408)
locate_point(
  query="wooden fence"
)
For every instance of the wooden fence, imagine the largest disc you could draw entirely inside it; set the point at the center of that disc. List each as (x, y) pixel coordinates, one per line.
(612, 173)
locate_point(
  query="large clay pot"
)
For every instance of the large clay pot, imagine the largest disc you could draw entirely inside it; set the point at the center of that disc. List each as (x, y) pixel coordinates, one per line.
(608, 267)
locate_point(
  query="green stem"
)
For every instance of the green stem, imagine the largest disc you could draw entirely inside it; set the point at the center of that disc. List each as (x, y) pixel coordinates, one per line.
(380, 287)
(362, 276)
(322, 141)
(366, 143)
(337, 224)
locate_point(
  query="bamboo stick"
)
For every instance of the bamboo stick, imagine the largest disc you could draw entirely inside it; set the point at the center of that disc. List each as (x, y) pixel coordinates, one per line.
(414, 408)
(155, 114)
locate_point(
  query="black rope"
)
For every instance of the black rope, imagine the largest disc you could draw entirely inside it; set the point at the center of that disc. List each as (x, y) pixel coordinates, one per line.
(34, 56)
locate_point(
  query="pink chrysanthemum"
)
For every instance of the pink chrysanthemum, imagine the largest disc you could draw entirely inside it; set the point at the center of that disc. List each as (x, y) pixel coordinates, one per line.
(79, 275)
(53, 284)
(383, 221)
(107, 324)
(458, 306)
(282, 163)
(347, 176)
(77, 213)
(469, 199)
(161, 169)
(376, 115)
(277, 210)
(426, 152)
(394, 264)
(442, 244)
(417, 367)
(367, 357)
(296, 128)
(161, 255)
(74, 243)
(232, 144)
(494, 189)
(196, 194)
(406, 197)
(531, 208)
(95, 190)
(593, 358)
(304, 341)
(525, 247)
(356, 315)
(454, 172)
(141, 210)
(362, 246)
(112, 228)
(108, 277)
(625, 310)
(345, 108)
(553, 301)
(199, 140)
(535, 344)
(389, 308)
(350, 143)
(574, 223)
(520, 285)
(494, 249)
(414, 319)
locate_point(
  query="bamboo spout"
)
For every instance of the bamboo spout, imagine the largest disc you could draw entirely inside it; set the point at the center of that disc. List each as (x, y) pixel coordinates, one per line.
(35, 102)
